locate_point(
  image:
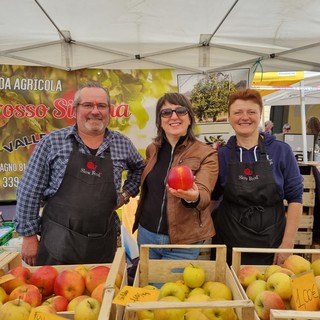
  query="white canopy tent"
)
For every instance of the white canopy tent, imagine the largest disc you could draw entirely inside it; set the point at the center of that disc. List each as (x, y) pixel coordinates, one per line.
(188, 35)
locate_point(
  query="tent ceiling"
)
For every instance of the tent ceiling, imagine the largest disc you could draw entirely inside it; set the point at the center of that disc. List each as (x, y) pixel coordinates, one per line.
(188, 35)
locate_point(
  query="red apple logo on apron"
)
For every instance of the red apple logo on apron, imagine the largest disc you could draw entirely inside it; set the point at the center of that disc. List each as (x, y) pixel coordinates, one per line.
(91, 165)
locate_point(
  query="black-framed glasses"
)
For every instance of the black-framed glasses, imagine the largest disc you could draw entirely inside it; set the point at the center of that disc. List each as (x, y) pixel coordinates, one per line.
(180, 111)
(90, 105)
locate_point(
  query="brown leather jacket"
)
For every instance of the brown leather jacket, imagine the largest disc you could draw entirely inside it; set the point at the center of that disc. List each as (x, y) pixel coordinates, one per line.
(187, 225)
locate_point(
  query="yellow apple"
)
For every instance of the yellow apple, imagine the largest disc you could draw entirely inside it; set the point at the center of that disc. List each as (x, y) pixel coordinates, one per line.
(220, 314)
(150, 287)
(198, 298)
(196, 291)
(3, 295)
(118, 280)
(75, 301)
(184, 287)
(315, 266)
(45, 308)
(217, 290)
(145, 314)
(269, 270)
(280, 283)
(193, 276)
(169, 314)
(297, 264)
(286, 271)
(254, 288)
(249, 274)
(15, 309)
(195, 315)
(172, 289)
(87, 309)
(82, 269)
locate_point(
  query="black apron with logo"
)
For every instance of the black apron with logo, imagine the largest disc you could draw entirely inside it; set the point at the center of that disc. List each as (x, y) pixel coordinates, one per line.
(78, 221)
(251, 213)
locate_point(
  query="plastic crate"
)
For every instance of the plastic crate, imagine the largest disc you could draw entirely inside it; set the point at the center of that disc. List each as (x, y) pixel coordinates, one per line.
(6, 232)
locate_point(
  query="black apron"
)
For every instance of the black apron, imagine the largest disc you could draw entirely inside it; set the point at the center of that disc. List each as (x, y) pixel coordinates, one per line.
(251, 213)
(78, 221)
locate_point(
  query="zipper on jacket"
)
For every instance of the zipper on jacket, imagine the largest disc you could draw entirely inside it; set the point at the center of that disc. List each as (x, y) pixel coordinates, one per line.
(165, 190)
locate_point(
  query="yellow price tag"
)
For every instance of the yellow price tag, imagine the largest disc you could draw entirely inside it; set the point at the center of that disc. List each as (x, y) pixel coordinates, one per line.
(38, 315)
(304, 292)
(130, 294)
(6, 278)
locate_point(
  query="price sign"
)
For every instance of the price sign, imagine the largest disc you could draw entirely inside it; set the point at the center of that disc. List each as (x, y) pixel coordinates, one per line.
(6, 278)
(304, 292)
(37, 315)
(130, 294)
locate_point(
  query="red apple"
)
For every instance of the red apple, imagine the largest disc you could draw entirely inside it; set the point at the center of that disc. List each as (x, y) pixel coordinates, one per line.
(28, 293)
(98, 292)
(22, 275)
(95, 276)
(69, 284)
(180, 177)
(265, 301)
(58, 303)
(44, 277)
(248, 274)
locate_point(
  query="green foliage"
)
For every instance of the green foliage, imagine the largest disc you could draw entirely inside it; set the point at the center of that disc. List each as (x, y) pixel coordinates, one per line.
(210, 96)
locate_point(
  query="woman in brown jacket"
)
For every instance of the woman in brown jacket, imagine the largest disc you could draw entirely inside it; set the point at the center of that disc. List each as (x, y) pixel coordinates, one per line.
(165, 215)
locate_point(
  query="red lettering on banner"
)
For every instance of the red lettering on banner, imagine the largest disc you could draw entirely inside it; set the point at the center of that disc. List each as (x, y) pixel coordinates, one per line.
(63, 109)
(24, 111)
(122, 110)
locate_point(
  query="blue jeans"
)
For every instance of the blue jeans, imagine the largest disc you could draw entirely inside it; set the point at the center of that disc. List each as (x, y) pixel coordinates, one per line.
(147, 237)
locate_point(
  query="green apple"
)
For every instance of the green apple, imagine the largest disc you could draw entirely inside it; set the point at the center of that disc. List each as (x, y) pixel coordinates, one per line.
(265, 301)
(195, 315)
(297, 264)
(196, 291)
(87, 309)
(217, 290)
(169, 314)
(172, 289)
(254, 288)
(194, 276)
(15, 309)
(280, 283)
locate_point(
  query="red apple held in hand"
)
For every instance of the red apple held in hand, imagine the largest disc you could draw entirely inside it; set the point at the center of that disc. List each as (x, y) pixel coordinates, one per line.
(69, 284)
(58, 303)
(43, 278)
(180, 177)
(22, 275)
(28, 293)
(95, 276)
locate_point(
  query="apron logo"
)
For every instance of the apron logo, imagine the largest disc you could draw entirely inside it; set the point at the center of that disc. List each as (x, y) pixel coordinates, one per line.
(91, 165)
(248, 175)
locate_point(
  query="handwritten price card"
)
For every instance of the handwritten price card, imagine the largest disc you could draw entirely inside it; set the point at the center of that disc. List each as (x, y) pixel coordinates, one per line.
(37, 315)
(134, 294)
(304, 292)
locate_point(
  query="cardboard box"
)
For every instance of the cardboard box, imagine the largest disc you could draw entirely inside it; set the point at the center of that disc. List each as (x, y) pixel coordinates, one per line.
(313, 254)
(160, 271)
(9, 260)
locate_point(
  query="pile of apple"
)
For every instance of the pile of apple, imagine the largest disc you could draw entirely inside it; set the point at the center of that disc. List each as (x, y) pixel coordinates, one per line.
(193, 287)
(271, 288)
(46, 289)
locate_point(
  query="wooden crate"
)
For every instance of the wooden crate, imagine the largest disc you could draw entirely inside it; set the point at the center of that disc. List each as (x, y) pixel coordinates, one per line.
(160, 271)
(278, 314)
(9, 260)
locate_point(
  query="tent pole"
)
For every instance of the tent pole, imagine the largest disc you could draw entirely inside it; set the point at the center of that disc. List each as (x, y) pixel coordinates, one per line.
(303, 121)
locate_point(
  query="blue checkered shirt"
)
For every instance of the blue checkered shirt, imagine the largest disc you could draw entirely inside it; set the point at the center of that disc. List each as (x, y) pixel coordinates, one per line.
(47, 165)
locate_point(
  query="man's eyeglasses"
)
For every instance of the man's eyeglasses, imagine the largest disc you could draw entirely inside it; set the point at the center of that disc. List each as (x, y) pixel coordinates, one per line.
(90, 105)
(180, 111)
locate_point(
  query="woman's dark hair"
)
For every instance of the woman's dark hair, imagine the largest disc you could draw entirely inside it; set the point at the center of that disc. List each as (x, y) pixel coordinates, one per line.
(246, 94)
(313, 125)
(177, 99)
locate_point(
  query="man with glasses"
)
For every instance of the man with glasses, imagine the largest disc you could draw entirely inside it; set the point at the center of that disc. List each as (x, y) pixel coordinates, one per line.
(165, 215)
(76, 172)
